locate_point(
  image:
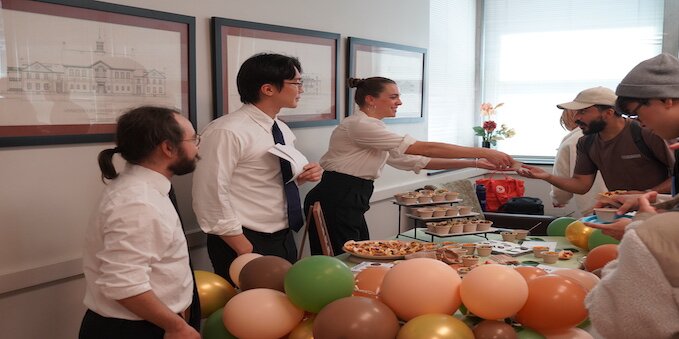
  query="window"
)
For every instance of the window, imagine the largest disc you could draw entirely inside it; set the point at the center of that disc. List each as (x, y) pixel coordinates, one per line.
(537, 54)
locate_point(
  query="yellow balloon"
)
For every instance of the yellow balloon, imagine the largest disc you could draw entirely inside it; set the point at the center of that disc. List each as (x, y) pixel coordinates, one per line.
(213, 292)
(305, 330)
(435, 326)
(578, 234)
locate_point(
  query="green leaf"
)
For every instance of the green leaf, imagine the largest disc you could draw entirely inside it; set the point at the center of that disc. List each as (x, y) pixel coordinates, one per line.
(479, 131)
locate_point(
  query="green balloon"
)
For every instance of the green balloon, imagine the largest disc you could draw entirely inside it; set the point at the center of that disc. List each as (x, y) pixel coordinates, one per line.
(527, 333)
(316, 281)
(585, 324)
(558, 226)
(214, 327)
(597, 238)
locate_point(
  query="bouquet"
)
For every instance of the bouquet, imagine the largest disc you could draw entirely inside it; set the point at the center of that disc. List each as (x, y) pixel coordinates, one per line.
(488, 131)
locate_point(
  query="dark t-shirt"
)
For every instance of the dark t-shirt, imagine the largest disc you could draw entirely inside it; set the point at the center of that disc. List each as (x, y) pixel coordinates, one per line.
(622, 165)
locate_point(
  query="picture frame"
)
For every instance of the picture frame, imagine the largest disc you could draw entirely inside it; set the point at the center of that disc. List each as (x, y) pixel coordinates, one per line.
(406, 65)
(68, 69)
(234, 41)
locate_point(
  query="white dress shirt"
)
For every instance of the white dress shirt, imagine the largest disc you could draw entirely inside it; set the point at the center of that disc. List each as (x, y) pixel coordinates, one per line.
(237, 182)
(135, 243)
(361, 145)
(564, 164)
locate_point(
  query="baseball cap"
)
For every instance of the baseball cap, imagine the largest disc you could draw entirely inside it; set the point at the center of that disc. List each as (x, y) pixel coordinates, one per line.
(590, 97)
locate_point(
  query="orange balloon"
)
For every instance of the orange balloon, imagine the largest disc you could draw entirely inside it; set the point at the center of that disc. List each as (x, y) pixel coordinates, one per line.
(421, 286)
(494, 291)
(261, 313)
(600, 256)
(369, 281)
(585, 279)
(554, 303)
(529, 272)
(578, 234)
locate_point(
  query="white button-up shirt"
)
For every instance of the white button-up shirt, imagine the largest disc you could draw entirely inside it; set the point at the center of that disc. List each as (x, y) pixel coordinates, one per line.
(362, 145)
(237, 182)
(135, 244)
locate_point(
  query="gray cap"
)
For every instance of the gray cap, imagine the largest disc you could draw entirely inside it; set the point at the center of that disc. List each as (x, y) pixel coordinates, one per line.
(656, 78)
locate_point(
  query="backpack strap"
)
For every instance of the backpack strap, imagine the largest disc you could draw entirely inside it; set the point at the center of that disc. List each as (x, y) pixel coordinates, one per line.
(635, 128)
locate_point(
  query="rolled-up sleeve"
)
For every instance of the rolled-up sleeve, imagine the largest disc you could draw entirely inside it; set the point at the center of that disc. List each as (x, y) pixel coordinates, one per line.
(220, 150)
(407, 162)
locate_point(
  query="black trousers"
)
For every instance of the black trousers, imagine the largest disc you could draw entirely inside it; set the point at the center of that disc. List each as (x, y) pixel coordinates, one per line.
(95, 326)
(280, 244)
(344, 199)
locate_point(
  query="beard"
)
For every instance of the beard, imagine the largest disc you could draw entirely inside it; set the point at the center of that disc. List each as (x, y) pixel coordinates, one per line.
(593, 127)
(184, 165)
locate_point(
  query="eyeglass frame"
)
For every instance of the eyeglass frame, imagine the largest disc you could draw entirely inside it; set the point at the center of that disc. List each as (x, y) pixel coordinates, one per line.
(299, 84)
(196, 139)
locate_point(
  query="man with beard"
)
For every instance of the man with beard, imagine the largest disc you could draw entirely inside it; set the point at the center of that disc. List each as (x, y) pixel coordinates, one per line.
(136, 261)
(612, 146)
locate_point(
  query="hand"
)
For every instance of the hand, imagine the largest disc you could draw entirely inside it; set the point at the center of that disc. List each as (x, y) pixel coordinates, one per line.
(557, 205)
(615, 229)
(642, 203)
(497, 158)
(312, 172)
(532, 172)
(184, 332)
(485, 164)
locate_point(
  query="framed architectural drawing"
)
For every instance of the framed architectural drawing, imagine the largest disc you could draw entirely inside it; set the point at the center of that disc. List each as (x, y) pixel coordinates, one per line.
(404, 64)
(235, 41)
(68, 69)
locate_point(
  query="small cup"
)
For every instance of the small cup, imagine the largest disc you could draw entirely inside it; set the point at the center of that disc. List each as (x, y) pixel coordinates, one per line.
(469, 227)
(484, 225)
(484, 250)
(537, 250)
(464, 210)
(469, 260)
(441, 229)
(521, 234)
(605, 214)
(450, 196)
(425, 212)
(408, 199)
(440, 212)
(424, 199)
(457, 227)
(550, 257)
(469, 247)
(508, 236)
(452, 211)
(430, 226)
(438, 197)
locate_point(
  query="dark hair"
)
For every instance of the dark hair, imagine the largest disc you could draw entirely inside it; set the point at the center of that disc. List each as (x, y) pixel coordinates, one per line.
(621, 103)
(264, 68)
(368, 86)
(602, 108)
(138, 133)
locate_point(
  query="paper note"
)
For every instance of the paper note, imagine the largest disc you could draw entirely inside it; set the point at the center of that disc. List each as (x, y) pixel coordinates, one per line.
(289, 153)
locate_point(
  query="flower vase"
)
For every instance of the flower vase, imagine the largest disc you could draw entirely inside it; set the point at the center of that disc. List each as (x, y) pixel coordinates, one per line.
(485, 144)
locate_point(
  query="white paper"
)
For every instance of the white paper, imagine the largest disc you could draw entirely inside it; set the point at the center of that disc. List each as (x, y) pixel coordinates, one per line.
(531, 244)
(291, 154)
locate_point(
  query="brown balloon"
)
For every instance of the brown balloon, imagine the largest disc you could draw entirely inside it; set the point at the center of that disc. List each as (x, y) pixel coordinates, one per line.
(264, 272)
(356, 318)
(493, 329)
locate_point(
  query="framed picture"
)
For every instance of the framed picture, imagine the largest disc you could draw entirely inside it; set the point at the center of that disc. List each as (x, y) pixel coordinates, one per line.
(235, 41)
(68, 69)
(404, 64)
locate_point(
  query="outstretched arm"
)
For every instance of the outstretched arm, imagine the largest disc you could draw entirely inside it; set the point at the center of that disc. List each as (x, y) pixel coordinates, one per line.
(443, 150)
(439, 163)
(578, 184)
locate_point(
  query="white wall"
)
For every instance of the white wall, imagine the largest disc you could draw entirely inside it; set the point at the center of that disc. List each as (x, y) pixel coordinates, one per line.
(47, 193)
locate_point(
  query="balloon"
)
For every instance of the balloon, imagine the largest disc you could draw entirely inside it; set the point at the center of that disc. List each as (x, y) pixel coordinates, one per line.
(571, 333)
(435, 326)
(527, 333)
(554, 303)
(558, 226)
(529, 273)
(585, 324)
(305, 330)
(585, 279)
(318, 280)
(578, 234)
(369, 281)
(494, 291)
(214, 327)
(421, 286)
(356, 318)
(600, 256)
(213, 292)
(493, 329)
(237, 265)
(597, 238)
(261, 313)
(264, 272)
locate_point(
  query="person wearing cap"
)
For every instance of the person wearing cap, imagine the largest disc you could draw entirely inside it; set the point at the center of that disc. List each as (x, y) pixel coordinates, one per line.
(640, 288)
(609, 147)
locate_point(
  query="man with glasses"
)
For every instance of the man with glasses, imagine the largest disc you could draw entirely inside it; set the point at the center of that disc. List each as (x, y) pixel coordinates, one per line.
(629, 157)
(243, 195)
(640, 288)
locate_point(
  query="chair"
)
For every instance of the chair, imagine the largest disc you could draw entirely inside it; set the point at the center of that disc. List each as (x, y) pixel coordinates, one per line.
(321, 228)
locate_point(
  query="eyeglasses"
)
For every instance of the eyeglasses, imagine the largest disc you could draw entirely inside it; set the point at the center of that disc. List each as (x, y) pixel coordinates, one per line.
(299, 83)
(196, 139)
(634, 113)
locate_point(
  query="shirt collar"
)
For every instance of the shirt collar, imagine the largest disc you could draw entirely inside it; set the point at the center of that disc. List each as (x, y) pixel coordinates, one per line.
(259, 117)
(155, 179)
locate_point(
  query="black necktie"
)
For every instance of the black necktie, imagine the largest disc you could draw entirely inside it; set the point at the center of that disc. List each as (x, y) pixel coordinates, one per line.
(295, 218)
(194, 309)
(675, 174)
